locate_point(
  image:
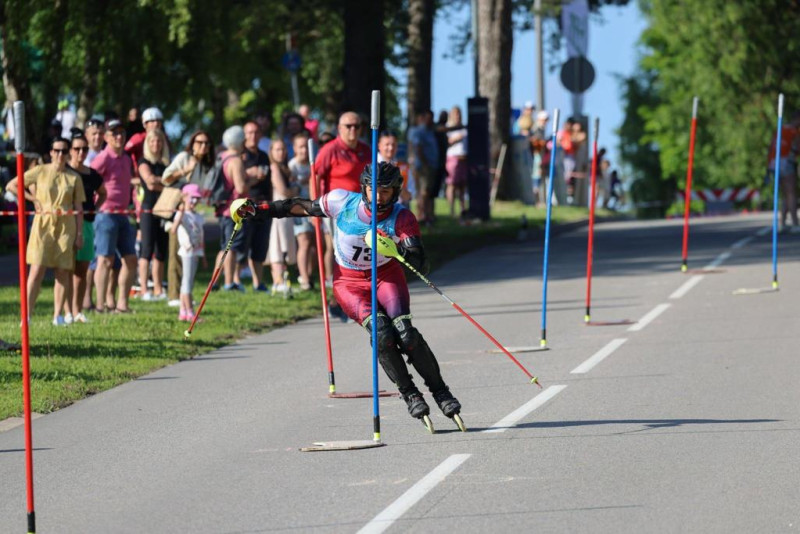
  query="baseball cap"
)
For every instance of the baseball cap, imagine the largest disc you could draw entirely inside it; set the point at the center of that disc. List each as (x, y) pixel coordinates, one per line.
(112, 124)
(192, 190)
(152, 114)
(542, 115)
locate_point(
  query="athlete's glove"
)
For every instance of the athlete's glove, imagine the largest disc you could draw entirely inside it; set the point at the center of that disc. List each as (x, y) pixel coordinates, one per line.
(385, 245)
(242, 209)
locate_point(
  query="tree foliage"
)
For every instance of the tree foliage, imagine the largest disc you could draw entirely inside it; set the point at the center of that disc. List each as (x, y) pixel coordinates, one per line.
(736, 57)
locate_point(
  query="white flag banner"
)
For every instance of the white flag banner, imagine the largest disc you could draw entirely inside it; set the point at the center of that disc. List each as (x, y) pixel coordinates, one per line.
(575, 23)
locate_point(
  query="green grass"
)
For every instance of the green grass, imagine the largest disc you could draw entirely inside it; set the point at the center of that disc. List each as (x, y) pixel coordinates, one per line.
(71, 363)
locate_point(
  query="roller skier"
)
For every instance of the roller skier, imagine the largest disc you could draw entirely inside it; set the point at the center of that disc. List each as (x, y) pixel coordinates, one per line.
(399, 236)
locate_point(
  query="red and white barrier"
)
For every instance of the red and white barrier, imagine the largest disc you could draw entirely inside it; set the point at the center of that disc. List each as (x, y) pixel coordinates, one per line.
(731, 194)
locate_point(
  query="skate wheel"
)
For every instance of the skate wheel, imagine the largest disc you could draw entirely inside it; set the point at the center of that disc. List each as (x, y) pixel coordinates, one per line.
(426, 420)
(460, 423)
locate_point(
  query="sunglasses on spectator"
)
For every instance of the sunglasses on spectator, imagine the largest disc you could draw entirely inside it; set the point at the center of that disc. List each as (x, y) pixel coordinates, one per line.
(60, 150)
(351, 126)
(80, 148)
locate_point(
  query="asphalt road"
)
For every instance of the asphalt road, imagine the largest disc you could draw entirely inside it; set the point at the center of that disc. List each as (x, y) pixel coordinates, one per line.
(686, 421)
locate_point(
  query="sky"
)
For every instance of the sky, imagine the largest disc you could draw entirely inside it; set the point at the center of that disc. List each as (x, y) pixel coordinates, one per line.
(612, 50)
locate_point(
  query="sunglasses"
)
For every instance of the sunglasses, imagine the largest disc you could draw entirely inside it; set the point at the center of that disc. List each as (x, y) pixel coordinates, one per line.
(350, 126)
(80, 148)
(60, 150)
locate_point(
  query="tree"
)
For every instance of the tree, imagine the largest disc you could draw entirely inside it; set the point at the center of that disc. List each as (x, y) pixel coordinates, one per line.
(420, 52)
(495, 43)
(736, 57)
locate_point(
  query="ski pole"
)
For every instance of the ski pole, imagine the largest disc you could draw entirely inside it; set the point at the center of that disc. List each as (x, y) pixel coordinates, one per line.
(321, 268)
(543, 341)
(374, 124)
(688, 193)
(534, 379)
(775, 195)
(236, 228)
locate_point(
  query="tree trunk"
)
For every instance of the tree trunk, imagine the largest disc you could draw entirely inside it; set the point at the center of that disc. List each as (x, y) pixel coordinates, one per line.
(364, 44)
(420, 51)
(15, 81)
(495, 42)
(93, 27)
(53, 53)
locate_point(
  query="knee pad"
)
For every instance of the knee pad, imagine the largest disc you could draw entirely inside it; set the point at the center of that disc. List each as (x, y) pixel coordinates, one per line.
(418, 352)
(388, 354)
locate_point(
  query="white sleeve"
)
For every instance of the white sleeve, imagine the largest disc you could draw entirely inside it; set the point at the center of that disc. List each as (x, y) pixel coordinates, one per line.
(331, 203)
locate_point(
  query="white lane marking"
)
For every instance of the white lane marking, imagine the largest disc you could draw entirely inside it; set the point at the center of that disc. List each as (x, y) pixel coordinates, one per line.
(649, 317)
(511, 419)
(686, 286)
(394, 511)
(599, 356)
(742, 242)
(718, 260)
(764, 231)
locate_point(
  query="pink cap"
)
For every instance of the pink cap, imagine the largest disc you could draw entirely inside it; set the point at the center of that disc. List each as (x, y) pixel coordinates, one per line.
(192, 190)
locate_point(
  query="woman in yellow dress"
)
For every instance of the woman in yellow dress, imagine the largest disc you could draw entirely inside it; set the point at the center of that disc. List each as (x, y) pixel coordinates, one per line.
(54, 238)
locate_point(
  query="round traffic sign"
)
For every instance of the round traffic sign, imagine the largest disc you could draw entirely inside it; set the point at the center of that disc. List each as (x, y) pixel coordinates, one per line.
(577, 74)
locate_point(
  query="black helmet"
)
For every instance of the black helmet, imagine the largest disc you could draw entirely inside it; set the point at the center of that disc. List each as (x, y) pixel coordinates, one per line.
(388, 176)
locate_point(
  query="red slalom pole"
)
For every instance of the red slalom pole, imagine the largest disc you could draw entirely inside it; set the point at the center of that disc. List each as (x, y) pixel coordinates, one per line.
(592, 202)
(19, 145)
(688, 192)
(321, 268)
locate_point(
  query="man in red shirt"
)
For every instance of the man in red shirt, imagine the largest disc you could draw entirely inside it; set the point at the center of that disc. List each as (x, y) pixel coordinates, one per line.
(339, 165)
(152, 118)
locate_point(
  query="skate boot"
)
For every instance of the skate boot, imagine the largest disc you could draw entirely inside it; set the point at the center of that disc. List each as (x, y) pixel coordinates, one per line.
(418, 409)
(450, 407)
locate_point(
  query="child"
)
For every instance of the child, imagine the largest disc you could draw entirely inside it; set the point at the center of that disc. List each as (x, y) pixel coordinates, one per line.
(188, 225)
(300, 168)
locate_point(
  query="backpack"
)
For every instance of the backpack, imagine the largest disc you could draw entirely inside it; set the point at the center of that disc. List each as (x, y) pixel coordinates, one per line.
(215, 186)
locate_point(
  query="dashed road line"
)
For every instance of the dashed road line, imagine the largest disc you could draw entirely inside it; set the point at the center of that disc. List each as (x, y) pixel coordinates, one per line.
(395, 511)
(599, 356)
(718, 260)
(686, 286)
(649, 317)
(511, 419)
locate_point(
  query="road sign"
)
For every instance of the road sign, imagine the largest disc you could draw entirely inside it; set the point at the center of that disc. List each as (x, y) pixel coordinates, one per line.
(291, 60)
(577, 74)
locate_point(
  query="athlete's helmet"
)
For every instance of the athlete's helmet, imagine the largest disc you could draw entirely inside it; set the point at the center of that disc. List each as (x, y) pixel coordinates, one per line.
(388, 176)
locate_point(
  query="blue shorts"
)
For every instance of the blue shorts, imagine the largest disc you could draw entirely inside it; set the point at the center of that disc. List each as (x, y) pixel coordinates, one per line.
(239, 245)
(113, 233)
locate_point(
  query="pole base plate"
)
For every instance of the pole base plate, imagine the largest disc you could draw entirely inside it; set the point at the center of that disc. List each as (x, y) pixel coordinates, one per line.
(342, 445)
(609, 323)
(531, 348)
(755, 291)
(362, 394)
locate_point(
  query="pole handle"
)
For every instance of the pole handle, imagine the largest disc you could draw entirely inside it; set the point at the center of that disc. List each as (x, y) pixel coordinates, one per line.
(376, 110)
(19, 126)
(555, 121)
(596, 128)
(311, 155)
(695, 102)
(780, 105)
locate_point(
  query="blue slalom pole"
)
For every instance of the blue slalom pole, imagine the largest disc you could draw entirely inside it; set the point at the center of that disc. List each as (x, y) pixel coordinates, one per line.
(375, 124)
(543, 341)
(775, 195)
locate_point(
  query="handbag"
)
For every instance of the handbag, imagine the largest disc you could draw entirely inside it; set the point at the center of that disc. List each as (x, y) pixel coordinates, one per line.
(167, 202)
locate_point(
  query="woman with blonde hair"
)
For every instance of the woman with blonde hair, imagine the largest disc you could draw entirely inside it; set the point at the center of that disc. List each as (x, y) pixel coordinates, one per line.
(155, 240)
(54, 237)
(282, 243)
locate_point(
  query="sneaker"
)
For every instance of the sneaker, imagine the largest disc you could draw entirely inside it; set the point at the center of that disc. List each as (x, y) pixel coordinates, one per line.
(59, 321)
(278, 288)
(160, 296)
(261, 288)
(233, 287)
(174, 303)
(305, 285)
(147, 297)
(329, 283)
(81, 318)
(183, 316)
(68, 318)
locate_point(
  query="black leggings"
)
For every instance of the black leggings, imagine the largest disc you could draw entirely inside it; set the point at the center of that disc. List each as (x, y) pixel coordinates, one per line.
(155, 239)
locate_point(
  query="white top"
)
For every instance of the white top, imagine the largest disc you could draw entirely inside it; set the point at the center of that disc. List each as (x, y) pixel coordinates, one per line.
(190, 235)
(301, 173)
(458, 148)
